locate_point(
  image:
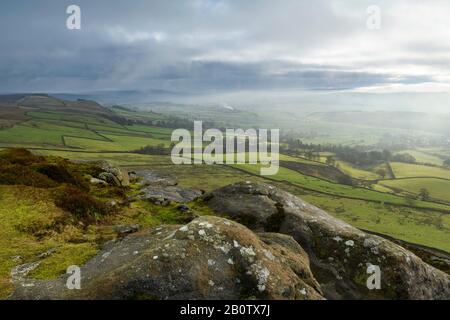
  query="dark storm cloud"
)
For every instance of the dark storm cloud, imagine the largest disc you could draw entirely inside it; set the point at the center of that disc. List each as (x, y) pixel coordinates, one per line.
(190, 46)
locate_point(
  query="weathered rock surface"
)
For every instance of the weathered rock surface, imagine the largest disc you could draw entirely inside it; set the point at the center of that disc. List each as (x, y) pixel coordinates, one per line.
(98, 182)
(126, 229)
(164, 195)
(209, 258)
(248, 204)
(155, 178)
(110, 179)
(161, 188)
(20, 272)
(340, 254)
(113, 175)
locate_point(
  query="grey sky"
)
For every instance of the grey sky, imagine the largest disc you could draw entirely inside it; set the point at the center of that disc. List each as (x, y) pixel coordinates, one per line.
(225, 45)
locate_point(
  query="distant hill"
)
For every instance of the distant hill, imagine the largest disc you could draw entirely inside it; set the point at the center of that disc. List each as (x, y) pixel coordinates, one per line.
(123, 96)
(48, 102)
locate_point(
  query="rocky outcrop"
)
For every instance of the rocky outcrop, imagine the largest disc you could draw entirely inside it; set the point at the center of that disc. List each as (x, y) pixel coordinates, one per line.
(114, 176)
(155, 178)
(209, 258)
(341, 255)
(162, 189)
(164, 195)
(110, 179)
(216, 258)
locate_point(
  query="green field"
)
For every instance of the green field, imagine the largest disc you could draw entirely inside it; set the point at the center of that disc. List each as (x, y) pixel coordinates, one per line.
(357, 173)
(72, 117)
(116, 143)
(405, 170)
(423, 157)
(412, 225)
(443, 153)
(41, 133)
(284, 157)
(439, 188)
(167, 132)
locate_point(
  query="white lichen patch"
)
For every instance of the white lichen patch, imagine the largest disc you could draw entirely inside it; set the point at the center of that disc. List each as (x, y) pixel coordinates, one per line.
(106, 255)
(202, 232)
(184, 229)
(262, 275)
(350, 243)
(170, 236)
(247, 252)
(225, 248)
(372, 244)
(269, 255)
(211, 262)
(337, 239)
(230, 261)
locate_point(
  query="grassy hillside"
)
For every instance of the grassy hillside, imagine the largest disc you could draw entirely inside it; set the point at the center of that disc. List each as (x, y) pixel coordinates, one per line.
(52, 217)
(66, 130)
(28, 216)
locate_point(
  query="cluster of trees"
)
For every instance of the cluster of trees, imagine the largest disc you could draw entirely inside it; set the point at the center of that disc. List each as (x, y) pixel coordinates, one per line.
(175, 123)
(119, 119)
(159, 149)
(349, 154)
